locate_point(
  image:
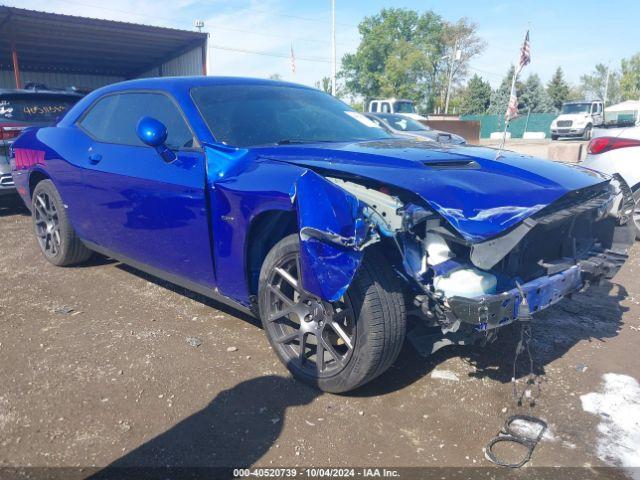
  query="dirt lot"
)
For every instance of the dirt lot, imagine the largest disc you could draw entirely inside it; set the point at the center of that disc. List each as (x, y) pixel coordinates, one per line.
(97, 368)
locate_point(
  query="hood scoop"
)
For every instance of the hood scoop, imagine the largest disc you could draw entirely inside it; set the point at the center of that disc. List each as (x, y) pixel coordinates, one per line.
(452, 164)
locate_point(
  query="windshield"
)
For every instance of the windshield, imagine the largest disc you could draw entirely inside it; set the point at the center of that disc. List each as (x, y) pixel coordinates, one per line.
(405, 124)
(34, 109)
(576, 108)
(405, 107)
(251, 115)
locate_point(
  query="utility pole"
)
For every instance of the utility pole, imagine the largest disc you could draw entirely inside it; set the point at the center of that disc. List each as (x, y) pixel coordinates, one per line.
(333, 48)
(606, 86)
(455, 56)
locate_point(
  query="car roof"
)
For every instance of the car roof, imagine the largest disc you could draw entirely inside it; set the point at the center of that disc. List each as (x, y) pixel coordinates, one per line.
(36, 92)
(195, 81)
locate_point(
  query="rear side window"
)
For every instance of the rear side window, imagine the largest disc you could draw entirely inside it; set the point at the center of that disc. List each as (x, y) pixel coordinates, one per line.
(113, 119)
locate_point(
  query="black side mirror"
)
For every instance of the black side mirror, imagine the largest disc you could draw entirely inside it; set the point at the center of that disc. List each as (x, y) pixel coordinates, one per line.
(153, 132)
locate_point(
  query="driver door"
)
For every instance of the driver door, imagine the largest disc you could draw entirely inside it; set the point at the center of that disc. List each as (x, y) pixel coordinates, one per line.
(145, 210)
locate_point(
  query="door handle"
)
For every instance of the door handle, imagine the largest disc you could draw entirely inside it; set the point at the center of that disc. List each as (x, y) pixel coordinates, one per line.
(94, 158)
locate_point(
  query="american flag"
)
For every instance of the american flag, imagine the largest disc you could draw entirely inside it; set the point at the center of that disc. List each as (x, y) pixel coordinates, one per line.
(293, 61)
(512, 107)
(525, 53)
(525, 59)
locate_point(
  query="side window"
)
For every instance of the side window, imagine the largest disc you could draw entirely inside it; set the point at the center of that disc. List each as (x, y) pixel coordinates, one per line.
(374, 106)
(386, 108)
(114, 118)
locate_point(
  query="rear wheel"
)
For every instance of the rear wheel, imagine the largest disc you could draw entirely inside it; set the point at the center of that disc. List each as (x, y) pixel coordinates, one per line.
(56, 237)
(335, 346)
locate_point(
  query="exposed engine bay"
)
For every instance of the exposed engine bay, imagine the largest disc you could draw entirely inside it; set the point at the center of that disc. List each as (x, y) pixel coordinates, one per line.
(473, 288)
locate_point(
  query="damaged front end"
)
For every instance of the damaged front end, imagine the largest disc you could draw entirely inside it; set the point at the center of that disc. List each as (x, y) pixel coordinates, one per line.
(467, 290)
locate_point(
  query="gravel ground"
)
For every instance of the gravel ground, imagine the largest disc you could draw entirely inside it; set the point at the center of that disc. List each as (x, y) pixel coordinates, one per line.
(103, 365)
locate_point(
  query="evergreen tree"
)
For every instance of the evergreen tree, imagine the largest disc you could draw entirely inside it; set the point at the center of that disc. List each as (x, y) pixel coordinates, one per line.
(476, 97)
(534, 98)
(558, 89)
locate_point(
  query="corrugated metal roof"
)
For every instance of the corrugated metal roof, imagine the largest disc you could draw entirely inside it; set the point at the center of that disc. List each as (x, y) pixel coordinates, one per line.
(66, 43)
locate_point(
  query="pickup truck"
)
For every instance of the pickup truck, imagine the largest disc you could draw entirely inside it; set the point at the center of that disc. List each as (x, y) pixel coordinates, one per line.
(577, 119)
(397, 106)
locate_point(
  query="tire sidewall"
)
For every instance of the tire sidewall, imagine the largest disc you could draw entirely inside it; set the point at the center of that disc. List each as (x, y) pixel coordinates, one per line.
(47, 186)
(360, 362)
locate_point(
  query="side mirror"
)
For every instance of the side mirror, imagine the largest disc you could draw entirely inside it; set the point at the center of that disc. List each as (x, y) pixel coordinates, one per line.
(153, 132)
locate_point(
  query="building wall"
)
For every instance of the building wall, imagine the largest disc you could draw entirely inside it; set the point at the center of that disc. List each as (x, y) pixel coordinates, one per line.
(187, 64)
(57, 80)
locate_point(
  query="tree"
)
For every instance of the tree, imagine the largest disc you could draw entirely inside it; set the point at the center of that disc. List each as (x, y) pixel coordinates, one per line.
(558, 89)
(534, 97)
(500, 96)
(401, 52)
(275, 76)
(476, 97)
(324, 84)
(593, 86)
(630, 78)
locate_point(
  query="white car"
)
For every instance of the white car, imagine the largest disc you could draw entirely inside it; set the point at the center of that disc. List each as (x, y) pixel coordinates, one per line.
(617, 151)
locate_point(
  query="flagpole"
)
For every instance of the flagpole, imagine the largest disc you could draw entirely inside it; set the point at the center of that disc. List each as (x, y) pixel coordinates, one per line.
(525, 59)
(507, 119)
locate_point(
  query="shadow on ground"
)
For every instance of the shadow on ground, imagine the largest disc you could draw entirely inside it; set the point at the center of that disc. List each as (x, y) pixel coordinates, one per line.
(235, 430)
(12, 205)
(594, 316)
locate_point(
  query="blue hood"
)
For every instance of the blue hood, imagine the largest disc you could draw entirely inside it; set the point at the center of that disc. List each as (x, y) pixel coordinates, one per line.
(480, 197)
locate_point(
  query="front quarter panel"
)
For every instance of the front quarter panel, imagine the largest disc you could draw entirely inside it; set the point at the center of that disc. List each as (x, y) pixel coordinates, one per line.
(325, 213)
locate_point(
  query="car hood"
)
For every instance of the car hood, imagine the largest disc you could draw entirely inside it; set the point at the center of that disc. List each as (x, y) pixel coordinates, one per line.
(574, 117)
(480, 197)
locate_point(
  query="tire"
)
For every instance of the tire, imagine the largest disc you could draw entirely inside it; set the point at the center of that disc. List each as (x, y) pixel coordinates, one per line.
(554, 137)
(56, 237)
(371, 316)
(587, 132)
(636, 213)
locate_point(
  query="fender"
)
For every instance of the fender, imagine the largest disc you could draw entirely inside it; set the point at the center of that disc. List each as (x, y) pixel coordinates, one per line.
(331, 222)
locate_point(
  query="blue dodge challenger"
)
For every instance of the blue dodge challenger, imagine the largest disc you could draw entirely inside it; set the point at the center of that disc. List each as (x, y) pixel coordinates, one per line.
(286, 203)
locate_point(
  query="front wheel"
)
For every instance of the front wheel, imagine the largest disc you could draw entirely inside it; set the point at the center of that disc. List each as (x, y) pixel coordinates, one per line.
(587, 133)
(56, 237)
(636, 213)
(335, 346)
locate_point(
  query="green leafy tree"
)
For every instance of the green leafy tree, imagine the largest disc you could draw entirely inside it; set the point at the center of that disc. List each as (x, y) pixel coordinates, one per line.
(275, 76)
(558, 89)
(401, 54)
(534, 97)
(476, 98)
(630, 78)
(593, 85)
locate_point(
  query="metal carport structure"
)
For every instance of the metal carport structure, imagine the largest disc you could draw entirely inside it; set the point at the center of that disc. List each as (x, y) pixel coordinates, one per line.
(64, 50)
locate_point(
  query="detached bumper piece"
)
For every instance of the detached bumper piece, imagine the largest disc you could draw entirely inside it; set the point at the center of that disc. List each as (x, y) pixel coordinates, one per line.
(494, 311)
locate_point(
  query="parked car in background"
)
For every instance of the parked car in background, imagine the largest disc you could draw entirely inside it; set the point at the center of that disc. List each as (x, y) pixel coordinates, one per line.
(577, 119)
(316, 220)
(616, 150)
(405, 108)
(408, 127)
(23, 108)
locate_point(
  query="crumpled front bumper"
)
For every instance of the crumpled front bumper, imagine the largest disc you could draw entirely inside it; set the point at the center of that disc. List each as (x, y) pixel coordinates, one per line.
(494, 311)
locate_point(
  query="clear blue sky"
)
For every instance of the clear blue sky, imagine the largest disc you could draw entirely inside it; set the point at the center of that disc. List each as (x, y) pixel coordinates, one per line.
(573, 34)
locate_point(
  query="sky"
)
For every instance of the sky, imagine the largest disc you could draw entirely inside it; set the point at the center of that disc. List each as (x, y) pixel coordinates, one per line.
(254, 38)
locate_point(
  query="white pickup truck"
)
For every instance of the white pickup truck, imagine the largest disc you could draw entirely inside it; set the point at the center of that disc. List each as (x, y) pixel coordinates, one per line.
(577, 119)
(397, 106)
